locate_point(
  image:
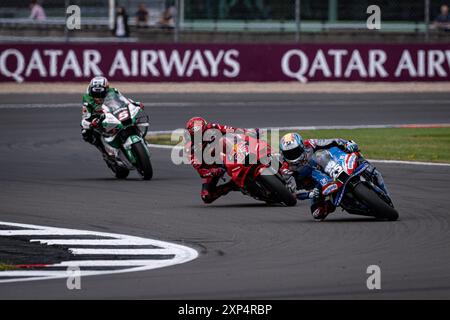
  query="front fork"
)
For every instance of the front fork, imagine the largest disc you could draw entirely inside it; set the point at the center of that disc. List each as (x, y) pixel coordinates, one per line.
(132, 139)
(374, 175)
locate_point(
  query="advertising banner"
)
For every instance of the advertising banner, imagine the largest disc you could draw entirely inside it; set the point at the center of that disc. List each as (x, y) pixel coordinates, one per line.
(224, 62)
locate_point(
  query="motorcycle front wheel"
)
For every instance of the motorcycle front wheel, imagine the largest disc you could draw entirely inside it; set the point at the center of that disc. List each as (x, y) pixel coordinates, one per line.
(143, 163)
(378, 208)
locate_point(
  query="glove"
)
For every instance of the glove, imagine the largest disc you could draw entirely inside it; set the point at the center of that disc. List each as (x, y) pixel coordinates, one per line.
(284, 170)
(95, 123)
(315, 193)
(351, 146)
(141, 105)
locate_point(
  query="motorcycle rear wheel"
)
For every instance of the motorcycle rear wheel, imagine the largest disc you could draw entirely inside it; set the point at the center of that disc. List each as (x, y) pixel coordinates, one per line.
(379, 208)
(273, 183)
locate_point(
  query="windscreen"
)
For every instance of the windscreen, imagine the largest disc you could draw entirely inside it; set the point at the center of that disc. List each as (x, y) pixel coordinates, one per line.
(115, 101)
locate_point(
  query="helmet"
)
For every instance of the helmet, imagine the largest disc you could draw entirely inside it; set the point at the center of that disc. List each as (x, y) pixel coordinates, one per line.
(195, 124)
(292, 148)
(98, 87)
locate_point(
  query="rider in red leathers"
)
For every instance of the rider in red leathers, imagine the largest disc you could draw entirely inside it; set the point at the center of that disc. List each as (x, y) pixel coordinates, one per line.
(210, 173)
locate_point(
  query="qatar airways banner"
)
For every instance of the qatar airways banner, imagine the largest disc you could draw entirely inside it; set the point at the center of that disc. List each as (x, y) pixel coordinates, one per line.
(225, 63)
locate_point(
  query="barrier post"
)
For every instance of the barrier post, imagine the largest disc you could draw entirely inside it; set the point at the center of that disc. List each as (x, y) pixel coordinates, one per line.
(176, 35)
(332, 11)
(112, 9)
(427, 20)
(181, 14)
(297, 20)
(66, 30)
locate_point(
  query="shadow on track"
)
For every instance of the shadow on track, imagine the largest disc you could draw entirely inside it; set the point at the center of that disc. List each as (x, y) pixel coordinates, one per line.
(240, 205)
(352, 219)
(111, 179)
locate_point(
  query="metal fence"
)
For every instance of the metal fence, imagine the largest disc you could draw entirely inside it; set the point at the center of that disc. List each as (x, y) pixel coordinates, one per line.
(244, 15)
(313, 15)
(321, 10)
(14, 9)
(92, 11)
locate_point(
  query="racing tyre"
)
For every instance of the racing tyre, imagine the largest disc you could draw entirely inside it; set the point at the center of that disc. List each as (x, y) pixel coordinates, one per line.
(143, 163)
(273, 183)
(121, 173)
(378, 207)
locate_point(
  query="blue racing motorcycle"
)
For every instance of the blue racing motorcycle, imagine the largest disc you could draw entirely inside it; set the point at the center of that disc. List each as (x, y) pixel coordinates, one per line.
(345, 180)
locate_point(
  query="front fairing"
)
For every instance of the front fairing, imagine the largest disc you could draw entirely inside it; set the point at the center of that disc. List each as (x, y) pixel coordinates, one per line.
(244, 157)
(234, 161)
(335, 169)
(360, 169)
(115, 110)
(120, 113)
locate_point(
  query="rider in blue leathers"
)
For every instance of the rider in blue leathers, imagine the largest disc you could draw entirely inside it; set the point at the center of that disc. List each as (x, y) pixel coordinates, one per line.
(298, 154)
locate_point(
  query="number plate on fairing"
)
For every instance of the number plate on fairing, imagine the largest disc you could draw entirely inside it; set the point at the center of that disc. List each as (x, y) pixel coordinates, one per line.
(333, 169)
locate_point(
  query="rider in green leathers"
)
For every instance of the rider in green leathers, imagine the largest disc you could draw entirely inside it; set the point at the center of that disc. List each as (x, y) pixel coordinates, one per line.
(92, 114)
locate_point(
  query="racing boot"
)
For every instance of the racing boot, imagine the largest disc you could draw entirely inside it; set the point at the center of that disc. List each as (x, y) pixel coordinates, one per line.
(320, 210)
(209, 196)
(109, 159)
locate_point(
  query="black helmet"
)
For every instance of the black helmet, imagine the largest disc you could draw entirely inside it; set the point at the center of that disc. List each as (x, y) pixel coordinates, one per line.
(98, 87)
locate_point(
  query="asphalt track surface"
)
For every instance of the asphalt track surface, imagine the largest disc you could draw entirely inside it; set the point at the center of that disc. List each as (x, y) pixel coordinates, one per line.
(49, 176)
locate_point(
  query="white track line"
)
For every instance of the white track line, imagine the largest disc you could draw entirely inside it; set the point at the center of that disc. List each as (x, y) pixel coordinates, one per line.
(417, 163)
(94, 242)
(105, 263)
(42, 232)
(214, 104)
(157, 146)
(181, 254)
(338, 127)
(300, 128)
(32, 273)
(121, 251)
(161, 146)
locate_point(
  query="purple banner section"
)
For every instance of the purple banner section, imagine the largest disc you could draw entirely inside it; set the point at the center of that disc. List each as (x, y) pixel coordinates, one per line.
(225, 63)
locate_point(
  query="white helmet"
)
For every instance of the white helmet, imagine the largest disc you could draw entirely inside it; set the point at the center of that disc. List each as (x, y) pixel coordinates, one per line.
(98, 87)
(292, 148)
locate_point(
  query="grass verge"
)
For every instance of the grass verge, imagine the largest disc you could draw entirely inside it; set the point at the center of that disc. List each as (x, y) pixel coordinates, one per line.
(410, 144)
(6, 267)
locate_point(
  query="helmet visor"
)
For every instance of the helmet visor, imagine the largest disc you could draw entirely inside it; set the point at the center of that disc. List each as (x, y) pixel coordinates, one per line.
(293, 154)
(98, 92)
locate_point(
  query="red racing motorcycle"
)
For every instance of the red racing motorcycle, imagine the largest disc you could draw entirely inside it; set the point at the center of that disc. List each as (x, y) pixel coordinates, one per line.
(249, 163)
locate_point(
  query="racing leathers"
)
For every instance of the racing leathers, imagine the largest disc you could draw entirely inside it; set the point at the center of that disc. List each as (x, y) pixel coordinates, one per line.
(211, 173)
(307, 178)
(92, 116)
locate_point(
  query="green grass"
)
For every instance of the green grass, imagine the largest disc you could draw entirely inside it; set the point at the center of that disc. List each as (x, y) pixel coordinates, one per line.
(6, 267)
(411, 144)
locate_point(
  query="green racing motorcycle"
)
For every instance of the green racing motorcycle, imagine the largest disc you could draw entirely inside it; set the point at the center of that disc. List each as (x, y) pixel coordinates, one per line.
(123, 129)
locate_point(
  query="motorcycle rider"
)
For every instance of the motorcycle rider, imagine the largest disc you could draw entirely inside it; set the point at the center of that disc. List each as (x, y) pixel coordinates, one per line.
(92, 114)
(297, 154)
(210, 173)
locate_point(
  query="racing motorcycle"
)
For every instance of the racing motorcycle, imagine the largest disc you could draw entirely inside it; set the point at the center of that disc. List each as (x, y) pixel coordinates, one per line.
(248, 165)
(349, 185)
(123, 129)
